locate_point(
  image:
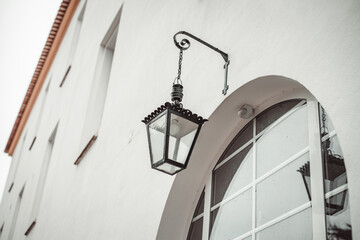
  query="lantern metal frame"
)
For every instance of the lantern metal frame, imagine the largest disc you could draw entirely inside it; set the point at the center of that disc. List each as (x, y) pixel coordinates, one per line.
(176, 108)
(184, 44)
(168, 109)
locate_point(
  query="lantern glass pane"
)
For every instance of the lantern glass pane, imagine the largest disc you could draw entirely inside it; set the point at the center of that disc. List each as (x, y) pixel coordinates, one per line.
(166, 167)
(157, 138)
(181, 136)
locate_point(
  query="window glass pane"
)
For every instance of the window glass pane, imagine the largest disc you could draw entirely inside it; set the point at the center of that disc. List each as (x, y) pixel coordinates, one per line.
(338, 216)
(200, 205)
(296, 227)
(281, 192)
(157, 137)
(334, 167)
(243, 137)
(195, 232)
(282, 141)
(232, 176)
(233, 218)
(274, 113)
(325, 122)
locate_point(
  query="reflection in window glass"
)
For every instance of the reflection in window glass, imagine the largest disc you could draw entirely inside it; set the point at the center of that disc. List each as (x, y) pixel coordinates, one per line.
(273, 113)
(326, 125)
(264, 190)
(233, 218)
(337, 210)
(200, 206)
(195, 232)
(271, 191)
(232, 176)
(282, 141)
(296, 227)
(334, 167)
(243, 137)
(338, 217)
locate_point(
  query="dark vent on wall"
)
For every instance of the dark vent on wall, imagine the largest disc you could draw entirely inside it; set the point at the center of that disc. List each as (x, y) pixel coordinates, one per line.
(11, 186)
(86, 149)
(65, 76)
(30, 228)
(32, 144)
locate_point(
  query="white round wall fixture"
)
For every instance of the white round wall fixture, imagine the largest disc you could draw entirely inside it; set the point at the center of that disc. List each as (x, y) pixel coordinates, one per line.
(246, 111)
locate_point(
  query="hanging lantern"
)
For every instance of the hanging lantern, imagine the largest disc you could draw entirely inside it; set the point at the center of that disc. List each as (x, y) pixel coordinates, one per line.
(173, 130)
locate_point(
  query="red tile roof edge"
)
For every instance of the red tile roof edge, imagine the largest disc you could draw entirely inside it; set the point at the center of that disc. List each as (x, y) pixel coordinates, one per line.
(53, 32)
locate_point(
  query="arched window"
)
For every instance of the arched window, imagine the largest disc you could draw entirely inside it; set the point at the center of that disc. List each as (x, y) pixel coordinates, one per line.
(261, 186)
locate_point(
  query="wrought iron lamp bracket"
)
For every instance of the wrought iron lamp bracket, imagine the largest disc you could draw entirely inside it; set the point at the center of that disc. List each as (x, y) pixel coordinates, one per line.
(184, 44)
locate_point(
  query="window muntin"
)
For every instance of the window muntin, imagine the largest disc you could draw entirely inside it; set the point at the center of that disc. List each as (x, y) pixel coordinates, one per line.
(280, 230)
(272, 114)
(281, 141)
(222, 224)
(227, 180)
(241, 139)
(271, 215)
(195, 231)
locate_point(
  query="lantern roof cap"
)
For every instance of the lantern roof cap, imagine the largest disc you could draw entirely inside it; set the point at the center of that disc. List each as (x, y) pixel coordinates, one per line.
(176, 108)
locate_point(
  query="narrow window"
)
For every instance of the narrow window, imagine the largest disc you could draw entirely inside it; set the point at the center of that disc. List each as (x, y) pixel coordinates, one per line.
(40, 114)
(16, 162)
(42, 178)
(74, 43)
(1, 229)
(99, 87)
(16, 213)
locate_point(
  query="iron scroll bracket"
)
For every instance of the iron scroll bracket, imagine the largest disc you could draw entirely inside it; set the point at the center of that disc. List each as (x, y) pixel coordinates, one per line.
(184, 44)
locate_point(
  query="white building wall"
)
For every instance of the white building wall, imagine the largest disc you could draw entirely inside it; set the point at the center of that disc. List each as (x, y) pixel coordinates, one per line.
(113, 193)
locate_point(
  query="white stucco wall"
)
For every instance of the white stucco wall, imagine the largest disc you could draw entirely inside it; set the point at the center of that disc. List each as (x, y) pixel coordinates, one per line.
(113, 193)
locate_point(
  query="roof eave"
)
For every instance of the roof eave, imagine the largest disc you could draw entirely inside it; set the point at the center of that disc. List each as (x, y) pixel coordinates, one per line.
(56, 35)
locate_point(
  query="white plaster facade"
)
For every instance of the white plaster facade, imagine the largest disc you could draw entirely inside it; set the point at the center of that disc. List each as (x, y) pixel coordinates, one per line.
(278, 50)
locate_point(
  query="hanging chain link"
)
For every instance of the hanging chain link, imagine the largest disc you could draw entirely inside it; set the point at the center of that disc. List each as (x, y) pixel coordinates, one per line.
(177, 89)
(324, 129)
(180, 62)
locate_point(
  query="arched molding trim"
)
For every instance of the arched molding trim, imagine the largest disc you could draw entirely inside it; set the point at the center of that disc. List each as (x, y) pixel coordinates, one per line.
(216, 135)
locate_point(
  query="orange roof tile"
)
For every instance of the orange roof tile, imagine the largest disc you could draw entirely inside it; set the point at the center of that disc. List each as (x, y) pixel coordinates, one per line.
(59, 27)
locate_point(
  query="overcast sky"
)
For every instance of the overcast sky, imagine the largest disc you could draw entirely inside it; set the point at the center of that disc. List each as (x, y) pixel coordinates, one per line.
(24, 28)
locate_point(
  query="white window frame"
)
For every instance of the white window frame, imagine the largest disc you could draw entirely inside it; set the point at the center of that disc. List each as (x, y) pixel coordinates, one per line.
(317, 202)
